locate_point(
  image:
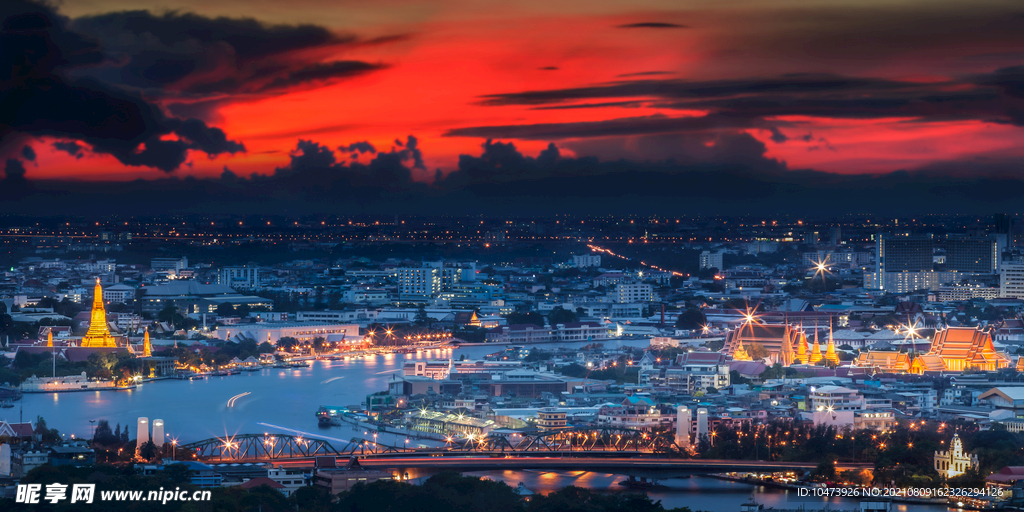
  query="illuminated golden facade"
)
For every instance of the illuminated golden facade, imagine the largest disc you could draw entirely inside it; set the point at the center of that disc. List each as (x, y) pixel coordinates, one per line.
(147, 349)
(815, 349)
(956, 349)
(740, 354)
(801, 347)
(49, 337)
(777, 339)
(99, 333)
(884, 361)
(830, 350)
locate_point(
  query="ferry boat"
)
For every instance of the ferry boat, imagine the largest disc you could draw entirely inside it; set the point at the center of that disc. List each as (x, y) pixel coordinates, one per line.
(328, 416)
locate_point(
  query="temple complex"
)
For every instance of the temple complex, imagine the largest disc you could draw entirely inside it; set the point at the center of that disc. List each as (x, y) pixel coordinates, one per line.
(956, 349)
(778, 339)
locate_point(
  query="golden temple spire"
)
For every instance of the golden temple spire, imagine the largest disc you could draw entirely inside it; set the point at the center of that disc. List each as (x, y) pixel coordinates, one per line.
(801, 346)
(830, 351)
(816, 349)
(49, 337)
(147, 349)
(99, 333)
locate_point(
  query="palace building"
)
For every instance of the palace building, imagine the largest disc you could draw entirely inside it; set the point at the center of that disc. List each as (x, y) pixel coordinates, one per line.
(956, 349)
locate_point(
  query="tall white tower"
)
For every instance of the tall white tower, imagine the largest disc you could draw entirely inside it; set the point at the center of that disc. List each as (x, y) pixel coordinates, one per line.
(158, 433)
(683, 427)
(142, 432)
(702, 422)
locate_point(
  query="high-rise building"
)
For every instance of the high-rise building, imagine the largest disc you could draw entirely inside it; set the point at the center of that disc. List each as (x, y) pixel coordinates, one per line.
(418, 284)
(973, 253)
(1011, 280)
(240, 278)
(1004, 229)
(168, 264)
(835, 235)
(586, 260)
(710, 259)
(627, 293)
(904, 253)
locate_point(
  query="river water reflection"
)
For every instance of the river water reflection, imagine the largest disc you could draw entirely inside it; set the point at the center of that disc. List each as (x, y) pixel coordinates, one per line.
(285, 401)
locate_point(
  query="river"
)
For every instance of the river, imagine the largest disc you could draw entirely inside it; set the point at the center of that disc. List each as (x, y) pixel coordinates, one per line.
(285, 401)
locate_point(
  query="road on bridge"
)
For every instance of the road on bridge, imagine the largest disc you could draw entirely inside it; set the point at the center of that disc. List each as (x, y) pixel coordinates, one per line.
(609, 464)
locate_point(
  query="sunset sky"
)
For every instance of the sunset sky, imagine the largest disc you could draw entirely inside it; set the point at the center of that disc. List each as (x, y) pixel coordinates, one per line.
(832, 86)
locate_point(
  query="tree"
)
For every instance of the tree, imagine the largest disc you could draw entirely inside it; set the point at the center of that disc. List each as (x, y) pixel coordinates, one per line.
(532, 317)
(825, 472)
(421, 317)
(776, 371)
(148, 450)
(103, 434)
(286, 343)
(265, 348)
(561, 316)
(736, 378)
(757, 351)
(45, 435)
(692, 319)
(225, 309)
(170, 314)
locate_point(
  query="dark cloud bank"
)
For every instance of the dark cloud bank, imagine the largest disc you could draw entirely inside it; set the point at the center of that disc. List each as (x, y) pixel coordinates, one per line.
(731, 175)
(140, 87)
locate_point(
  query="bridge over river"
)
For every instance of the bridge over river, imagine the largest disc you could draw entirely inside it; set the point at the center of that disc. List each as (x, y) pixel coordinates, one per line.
(620, 451)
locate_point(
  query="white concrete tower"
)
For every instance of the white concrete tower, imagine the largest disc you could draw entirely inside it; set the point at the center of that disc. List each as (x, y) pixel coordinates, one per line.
(142, 432)
(702, 422)
(683, 427)
(158, 433)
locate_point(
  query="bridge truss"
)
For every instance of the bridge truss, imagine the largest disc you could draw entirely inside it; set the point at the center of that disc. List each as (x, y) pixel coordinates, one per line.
(260, 447)
(254, 447)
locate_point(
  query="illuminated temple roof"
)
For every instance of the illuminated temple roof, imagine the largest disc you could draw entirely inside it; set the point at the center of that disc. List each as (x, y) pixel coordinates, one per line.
(959, 348)
(885, 361)
(780, 340)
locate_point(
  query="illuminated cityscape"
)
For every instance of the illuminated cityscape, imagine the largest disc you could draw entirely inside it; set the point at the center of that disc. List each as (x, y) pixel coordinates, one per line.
(565, 256)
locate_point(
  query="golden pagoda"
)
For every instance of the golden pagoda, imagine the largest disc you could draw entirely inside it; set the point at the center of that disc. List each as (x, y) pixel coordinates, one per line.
(740, 354)
(99, 333)
(801, 346)
(816, 350)
(830, 350)
(147, 349)
(49, 337)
